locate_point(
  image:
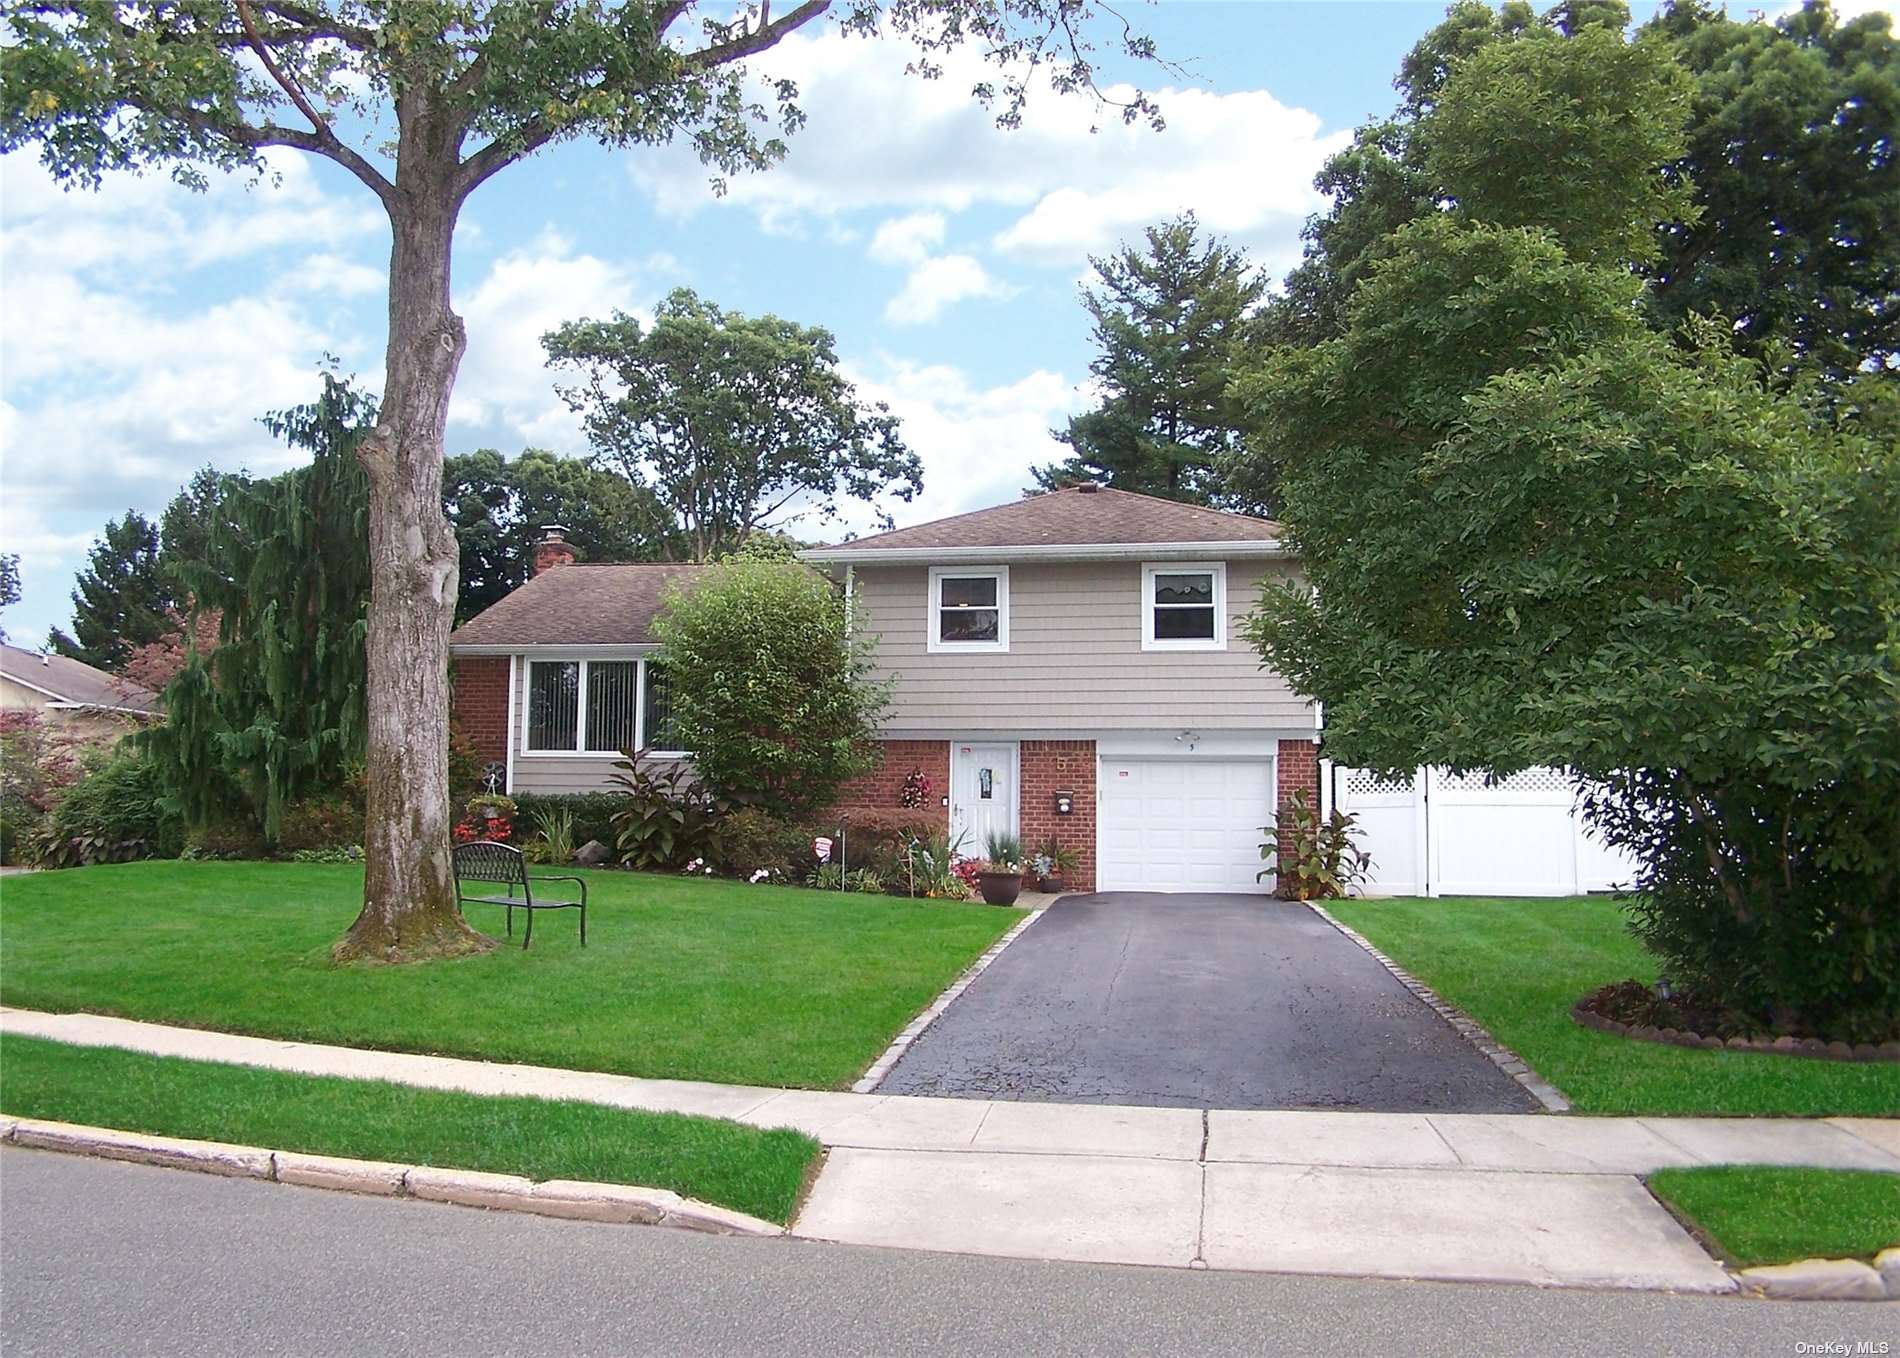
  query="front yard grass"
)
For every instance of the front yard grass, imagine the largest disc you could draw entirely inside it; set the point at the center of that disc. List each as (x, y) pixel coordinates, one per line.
(1762, 1214)
(682, 978)
(1517, 966)
(752, 1170)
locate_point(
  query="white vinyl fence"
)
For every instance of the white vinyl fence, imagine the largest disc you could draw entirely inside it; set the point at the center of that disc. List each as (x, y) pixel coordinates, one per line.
(1440, 834)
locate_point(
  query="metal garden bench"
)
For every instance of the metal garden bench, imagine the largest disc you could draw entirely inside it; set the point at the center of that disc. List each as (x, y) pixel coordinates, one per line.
(484, 861)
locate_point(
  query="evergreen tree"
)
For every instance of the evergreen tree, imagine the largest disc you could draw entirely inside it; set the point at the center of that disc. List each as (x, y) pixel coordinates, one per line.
(277, 712)
(9, 583)
(122, 600)
(184, 529)
(1166, 319)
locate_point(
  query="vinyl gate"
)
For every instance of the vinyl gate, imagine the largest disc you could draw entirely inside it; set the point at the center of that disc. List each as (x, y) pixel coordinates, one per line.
(1439, 834)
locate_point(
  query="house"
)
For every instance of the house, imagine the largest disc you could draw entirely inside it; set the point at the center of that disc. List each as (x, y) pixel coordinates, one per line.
(1068, 665)
(70, 694)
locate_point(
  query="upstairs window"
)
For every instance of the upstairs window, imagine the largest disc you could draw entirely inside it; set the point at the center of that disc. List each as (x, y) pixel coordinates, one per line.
(969, 609)
(1184, 608)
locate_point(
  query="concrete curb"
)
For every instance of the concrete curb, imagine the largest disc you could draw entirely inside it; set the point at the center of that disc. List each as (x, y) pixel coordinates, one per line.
(1472, 1031)
(1825, 1279)
(881, 1067)
(570, 1199)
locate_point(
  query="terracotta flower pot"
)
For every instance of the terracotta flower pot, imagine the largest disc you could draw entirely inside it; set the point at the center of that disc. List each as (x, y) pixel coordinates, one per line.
(1000, 888)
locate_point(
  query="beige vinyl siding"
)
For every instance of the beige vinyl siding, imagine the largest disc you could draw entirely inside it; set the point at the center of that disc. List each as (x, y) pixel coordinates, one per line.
(1075, 660)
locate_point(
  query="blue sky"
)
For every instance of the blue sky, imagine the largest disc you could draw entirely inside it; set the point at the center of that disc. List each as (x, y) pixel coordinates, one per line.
(145, 327)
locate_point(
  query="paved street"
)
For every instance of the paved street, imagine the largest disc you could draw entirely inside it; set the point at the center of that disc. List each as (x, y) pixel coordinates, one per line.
(1211, 1001)
(114, 1259)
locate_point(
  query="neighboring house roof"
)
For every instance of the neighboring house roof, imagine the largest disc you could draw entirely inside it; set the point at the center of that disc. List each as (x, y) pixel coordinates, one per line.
(73, 683)
(1078, 523)
(576, 605)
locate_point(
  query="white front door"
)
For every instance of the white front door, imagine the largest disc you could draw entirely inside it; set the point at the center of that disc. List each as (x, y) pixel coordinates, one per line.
(1181, 824)
(982, 794)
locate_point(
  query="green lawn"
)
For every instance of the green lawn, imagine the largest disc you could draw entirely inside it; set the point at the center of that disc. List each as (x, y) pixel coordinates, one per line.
(1517, 967)
(737, 1166)
(683, 978)
(1760, 1214)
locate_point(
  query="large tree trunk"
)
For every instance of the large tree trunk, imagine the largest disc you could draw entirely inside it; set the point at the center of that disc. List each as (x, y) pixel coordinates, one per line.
(409, 908)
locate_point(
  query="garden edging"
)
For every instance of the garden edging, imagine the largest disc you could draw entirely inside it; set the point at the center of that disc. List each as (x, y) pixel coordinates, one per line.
(571, 1199)
(1810, 1047)
(1825, 1279)
(1467, 1027)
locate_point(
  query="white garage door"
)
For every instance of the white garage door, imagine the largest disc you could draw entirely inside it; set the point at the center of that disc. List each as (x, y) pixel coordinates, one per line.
(1181, 824)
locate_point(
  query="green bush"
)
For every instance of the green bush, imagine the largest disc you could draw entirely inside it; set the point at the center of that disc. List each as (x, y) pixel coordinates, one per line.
(227, 837)
(752, 838)
(329, 822)
(114, 813)
(1312, 857)
(593, 812)
(665, 818)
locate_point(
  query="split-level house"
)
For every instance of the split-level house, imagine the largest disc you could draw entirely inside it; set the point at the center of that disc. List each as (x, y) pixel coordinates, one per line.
(1067, 666)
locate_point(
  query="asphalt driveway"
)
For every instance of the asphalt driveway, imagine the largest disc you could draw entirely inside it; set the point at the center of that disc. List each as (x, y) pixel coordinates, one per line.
(1198, 1001)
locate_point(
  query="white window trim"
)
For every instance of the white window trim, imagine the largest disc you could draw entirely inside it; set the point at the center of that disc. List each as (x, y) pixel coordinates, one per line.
(582, 751)
(933, 610)
(1149, 570)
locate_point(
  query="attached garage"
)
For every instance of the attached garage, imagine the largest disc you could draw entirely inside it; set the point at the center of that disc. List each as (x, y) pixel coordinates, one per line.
(1181, 823)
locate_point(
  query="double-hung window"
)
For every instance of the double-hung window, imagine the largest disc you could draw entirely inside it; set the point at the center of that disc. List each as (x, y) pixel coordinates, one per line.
(596, 707)
(969, 609)
(1184, 607)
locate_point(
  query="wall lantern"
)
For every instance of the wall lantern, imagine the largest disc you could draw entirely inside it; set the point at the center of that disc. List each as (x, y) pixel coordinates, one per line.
(1065, 803)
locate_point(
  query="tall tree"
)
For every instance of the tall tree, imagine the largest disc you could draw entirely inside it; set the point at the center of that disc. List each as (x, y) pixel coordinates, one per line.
(9, 583)
(184, 529)
(122, 601)
(1166, 318)
(1791, 184)
(1535, 531)
(736, 424)
(423, 105)
(276, 710)
(497, 506)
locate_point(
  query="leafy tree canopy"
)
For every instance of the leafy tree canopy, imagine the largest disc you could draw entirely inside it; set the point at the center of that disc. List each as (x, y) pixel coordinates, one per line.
(9, 583)
(1774, 210)
(497, 507)
(733, 423)
(769, 688)
(1166, 318)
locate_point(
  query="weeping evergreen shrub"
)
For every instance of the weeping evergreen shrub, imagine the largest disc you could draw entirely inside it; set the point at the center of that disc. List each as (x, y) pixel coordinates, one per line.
(275, 715)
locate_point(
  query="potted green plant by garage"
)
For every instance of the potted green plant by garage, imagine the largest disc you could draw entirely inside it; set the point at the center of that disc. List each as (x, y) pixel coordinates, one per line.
(1053, 865)
(1001, 878)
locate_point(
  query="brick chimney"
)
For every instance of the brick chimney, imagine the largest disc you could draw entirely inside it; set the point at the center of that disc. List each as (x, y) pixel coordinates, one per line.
(553, 549)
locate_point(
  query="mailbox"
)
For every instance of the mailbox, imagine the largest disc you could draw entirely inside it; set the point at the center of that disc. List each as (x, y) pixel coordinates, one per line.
(1065, 803)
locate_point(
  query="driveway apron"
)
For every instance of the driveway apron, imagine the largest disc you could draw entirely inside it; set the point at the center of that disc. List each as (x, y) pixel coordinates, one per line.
(1198, 1001)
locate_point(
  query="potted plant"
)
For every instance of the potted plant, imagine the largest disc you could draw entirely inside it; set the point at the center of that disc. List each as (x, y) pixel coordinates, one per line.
(492, 806)
(1001, 877)
(1053, 864)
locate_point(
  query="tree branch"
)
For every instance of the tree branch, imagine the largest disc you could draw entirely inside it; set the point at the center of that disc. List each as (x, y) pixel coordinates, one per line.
(764, 36)
(499, 154)
(326, 142)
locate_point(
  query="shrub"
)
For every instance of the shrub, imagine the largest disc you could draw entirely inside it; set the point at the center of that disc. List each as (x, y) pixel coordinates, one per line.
(115, 813)
(324, 822)
(826, 877)
(38, 763)
(768, 687)
(666, 817)
(227, 837)
(554, 828)
(592, 812)
(1316, 857)
(751, 838)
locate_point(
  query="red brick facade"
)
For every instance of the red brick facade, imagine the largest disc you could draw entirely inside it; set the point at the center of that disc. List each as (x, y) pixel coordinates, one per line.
(881, 789)
(1298, 770)
(1049, 767)
(481, 704)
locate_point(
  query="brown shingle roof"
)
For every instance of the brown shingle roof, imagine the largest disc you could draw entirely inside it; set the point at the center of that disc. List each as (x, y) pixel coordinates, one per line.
(1075, 518)
(74, 681)
(577, 605)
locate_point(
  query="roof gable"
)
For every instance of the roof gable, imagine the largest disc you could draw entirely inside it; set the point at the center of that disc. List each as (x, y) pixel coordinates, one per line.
(1078, 516)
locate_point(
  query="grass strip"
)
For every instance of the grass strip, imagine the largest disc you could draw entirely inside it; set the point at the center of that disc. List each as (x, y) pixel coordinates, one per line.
(1518, 965)
(1764, 1214)
(746, 1168)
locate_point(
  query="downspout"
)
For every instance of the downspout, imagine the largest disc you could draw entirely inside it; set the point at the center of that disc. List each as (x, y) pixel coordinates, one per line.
(850, 596)
(508, 775)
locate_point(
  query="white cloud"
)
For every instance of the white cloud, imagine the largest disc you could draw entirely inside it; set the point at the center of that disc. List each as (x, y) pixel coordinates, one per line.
(938, 283)
(976, 443)
(504, 385)
(907, 240)
(878, 138)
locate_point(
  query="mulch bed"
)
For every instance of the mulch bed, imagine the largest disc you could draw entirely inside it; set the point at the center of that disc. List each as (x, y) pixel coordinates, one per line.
(1632, 1009)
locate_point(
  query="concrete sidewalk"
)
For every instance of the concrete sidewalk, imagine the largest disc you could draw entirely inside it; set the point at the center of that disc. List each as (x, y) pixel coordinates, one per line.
(1502, 1197)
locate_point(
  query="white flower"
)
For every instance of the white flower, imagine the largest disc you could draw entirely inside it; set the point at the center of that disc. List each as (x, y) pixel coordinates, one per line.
(761, 875)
